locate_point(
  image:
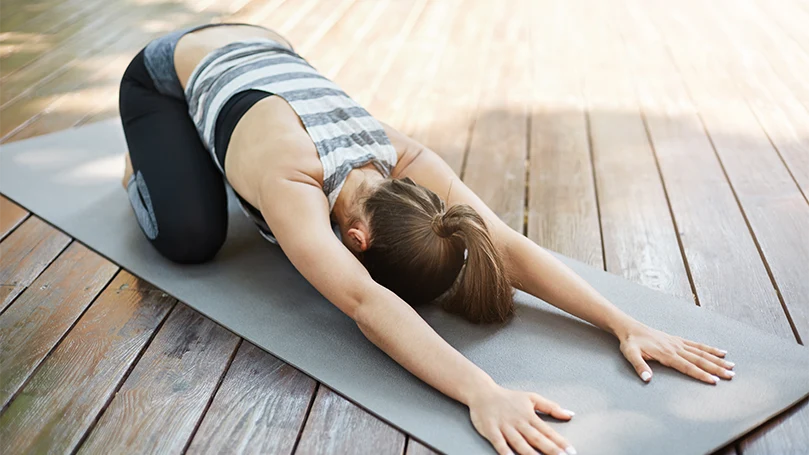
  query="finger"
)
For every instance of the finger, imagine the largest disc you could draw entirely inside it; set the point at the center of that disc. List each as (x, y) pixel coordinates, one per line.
(641, 367)
(551, 434)
(704, 347)
(707, 365)
(689, 369)
(551, 408)
(517, 441)
(539, 440)
(710, 357)
(498, 442)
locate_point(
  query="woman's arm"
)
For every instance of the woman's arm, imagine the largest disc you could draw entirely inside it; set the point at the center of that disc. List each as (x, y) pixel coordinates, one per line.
(297, 213)
(539, 273)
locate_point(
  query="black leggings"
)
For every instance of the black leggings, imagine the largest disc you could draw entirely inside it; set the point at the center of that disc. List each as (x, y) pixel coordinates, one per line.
(177, 192)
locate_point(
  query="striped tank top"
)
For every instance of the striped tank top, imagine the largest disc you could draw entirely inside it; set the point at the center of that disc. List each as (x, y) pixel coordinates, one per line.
(345, 135)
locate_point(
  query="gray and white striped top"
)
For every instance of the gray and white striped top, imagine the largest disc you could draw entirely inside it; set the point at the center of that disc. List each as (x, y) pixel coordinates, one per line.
(345, 134)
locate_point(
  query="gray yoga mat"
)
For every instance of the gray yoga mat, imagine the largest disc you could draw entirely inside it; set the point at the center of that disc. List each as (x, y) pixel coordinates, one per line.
(72, 179)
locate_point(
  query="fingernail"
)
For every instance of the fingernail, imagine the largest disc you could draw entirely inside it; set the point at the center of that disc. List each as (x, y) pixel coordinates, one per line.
(646, 376)
(730, 364)
(731, 373)
(715, 379)
(723, 351)
(570, 450)
(561, 453)
(568, 412)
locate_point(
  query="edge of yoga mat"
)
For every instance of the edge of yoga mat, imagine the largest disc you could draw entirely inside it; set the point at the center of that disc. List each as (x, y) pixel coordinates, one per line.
(72, 179)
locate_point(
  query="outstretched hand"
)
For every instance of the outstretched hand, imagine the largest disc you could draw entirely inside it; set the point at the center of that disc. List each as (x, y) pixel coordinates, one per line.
(508, 418)
(640, 343)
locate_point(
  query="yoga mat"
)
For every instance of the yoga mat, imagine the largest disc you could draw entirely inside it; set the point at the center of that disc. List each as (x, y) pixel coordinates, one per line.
(72, 179)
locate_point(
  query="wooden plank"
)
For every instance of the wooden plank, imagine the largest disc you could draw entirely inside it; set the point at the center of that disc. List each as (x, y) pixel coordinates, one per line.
(725, 266)
(345, 37)
(87, 89)
(772, 202)
(448, 105)
(26, 252)
(311, 28)
(34, 89)
(11, 216)
(46, 311)
(413, 69)
(25, 43)
(498, 148)
(788, 434)
(361, 74)
(260, 407)
(782, 116)
(23, 78)
(160, 403)
(336, 426)
(61, 401)
(785, 56)
(640, 242)
(562, 206)
(416, 448)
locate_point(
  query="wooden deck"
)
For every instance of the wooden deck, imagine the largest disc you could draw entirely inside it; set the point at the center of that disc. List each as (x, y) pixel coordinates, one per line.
(667, 142)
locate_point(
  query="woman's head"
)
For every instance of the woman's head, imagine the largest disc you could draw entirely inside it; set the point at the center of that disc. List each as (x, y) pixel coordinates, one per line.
(416, 247)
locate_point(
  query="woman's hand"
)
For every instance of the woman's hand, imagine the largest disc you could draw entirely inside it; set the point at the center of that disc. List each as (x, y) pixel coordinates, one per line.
(640, 343)
(507, 417)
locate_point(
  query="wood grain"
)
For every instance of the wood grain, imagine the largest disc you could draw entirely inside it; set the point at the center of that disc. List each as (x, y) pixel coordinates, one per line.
(25, 253)
(773, 205)
(413, 69)
(88, 90)
(45, 312)
(562, 206)
(11, 215)
(779, 100)
(640, 242)
(336, 426)
(260, 407)
(447, 107)
(416, 448)
(331, 52)
(40, 86)
(699, 193)
(362, 73)
(46, 33)
(158, 407)
(61, 401)
(498, 149)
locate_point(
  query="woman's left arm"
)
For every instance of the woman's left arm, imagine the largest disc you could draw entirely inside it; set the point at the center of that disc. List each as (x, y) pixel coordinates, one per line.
(537, 272)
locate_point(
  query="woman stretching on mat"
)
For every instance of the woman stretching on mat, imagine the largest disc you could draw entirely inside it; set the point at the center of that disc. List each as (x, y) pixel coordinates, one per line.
(198, 111)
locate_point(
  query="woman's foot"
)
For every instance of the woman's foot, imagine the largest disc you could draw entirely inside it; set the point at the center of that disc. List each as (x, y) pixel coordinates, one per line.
(127, 171)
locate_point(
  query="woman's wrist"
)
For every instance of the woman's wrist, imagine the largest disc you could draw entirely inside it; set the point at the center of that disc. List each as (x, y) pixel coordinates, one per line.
(479, 385)
(620, 324)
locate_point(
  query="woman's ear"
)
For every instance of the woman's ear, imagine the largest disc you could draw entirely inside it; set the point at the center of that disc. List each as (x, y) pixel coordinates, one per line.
(358, 237)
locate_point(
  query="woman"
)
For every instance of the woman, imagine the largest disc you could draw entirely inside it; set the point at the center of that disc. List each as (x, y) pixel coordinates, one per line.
(235, 104)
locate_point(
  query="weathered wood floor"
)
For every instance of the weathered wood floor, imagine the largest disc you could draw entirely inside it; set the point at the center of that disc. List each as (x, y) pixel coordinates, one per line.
(667, 142)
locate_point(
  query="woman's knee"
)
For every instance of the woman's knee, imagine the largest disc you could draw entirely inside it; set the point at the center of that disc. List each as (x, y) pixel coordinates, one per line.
(191, 244)
(184, 230)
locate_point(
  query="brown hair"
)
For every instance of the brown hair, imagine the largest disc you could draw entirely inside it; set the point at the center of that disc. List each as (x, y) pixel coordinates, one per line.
(417, 250)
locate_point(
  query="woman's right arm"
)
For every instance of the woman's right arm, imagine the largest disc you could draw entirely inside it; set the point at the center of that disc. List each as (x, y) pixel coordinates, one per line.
(297, 213)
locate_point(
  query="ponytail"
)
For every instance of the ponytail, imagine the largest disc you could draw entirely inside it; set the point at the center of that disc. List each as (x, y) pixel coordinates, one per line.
(482, 291)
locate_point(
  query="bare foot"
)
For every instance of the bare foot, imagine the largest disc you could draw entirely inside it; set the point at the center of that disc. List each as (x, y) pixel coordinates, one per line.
(127, 171)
